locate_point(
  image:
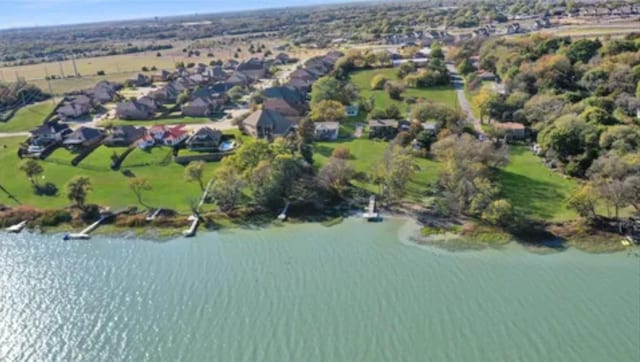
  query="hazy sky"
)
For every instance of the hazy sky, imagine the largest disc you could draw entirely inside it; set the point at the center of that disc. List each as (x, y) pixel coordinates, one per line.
(21, 13)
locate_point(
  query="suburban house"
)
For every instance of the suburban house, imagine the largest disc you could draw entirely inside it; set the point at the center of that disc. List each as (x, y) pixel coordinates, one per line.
(163, 136)
(138, 80)
(161, 76)
(216, 73)
(253, 68)
(103, 92)
(383, 128)
(48, 133)
(238, 79)
(199, 107)
(79, 107)
(268, 124)
(149, 102)
(124, 136)
(326, 131)
(166, 94)
(205, 140)
(293, 96)
(283, 58)
(134, 110)
(230, 64)
(512, 130)
(281, 106)
(83, 137)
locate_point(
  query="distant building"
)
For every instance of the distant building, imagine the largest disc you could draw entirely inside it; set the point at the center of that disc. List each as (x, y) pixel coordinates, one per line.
(383, 128)
(512, 130)
(326, 131)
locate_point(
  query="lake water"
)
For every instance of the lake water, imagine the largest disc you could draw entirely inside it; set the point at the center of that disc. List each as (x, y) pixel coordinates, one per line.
(352, 292)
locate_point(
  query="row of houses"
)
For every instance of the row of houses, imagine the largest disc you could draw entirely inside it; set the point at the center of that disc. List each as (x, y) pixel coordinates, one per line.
(284, 106)
(204, 139)
(207, 87)
(82, 104)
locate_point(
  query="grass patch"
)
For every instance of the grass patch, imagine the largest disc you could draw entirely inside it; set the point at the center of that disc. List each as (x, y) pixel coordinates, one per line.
(110, 188)
(445, 95)
(29, 117)
(534, 189)
(434, 230)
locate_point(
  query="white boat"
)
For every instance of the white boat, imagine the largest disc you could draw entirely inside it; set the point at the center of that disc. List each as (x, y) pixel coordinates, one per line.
(16, 228)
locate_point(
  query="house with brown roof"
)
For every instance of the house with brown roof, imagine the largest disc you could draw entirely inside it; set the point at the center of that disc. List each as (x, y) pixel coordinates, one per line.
(205, 140)
(281, 106)
(83, 137)
(134, 110)
(512, 131)
(198, 107)
(124, 136)
(383, 128)
(76, 108)
(265, 123)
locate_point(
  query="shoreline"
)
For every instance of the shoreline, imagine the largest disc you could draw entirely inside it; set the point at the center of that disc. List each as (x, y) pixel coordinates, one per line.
(482, 237)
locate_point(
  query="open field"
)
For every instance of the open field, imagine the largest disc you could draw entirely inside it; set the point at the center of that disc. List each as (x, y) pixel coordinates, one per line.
(29, 117)
(444, 94)
(109, 187)
(534, 189)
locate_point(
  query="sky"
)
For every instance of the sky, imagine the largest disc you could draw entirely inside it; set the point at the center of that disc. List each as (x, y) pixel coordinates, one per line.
(26, 13)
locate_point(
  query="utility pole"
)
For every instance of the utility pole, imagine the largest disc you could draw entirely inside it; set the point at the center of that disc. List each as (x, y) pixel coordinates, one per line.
(75, 68)
(46, 71)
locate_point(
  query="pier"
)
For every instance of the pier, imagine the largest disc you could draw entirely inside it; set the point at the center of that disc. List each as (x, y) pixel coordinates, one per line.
(371, 214)
(17, 228)
(84, 234)
(195, 218)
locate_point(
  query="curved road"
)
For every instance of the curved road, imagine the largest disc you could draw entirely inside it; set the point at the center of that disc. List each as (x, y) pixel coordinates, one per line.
(465, 106)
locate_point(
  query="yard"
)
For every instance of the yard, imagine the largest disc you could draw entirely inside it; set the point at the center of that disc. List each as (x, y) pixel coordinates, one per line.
(110, 188)
(362, 79)
(534, 189)
(28, 118)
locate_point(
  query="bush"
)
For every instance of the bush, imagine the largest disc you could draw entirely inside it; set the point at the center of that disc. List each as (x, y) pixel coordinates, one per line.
(378, 81)
(55, 217)
(145, 69)
(341, 152)
(100, 72)
(394, 90)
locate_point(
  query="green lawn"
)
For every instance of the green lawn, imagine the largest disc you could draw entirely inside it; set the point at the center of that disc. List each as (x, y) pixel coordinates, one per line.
(29, 117)
(362, 79)
(367, 153)
(110, 188)
(534, 189)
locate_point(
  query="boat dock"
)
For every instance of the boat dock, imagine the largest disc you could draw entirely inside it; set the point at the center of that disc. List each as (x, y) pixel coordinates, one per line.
(371, 214)
(17, 228)
(283, 214)
(195, 218)
(84, 234)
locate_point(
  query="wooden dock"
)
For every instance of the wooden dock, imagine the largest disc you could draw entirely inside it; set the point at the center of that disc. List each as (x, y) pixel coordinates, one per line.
(370, 212)
(84, 234)
(195, 218)
(17, 228)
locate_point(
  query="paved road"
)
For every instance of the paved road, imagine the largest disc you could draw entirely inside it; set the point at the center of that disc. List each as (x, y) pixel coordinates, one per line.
(465, 107)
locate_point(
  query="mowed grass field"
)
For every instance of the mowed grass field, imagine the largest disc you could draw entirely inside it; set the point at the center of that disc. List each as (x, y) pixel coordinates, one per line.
(29, 117)
(110, 188)
(444, 94)
(535, 190)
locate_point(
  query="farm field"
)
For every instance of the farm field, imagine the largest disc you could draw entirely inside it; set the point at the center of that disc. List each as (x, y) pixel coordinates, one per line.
(29, 117)
(445, 95)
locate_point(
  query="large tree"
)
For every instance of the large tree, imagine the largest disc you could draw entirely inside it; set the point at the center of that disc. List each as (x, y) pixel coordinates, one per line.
(226, 190)
(77, 190)
(327, 111)
(32, 169)
(138, 185)
(194, 172)
(336, 175)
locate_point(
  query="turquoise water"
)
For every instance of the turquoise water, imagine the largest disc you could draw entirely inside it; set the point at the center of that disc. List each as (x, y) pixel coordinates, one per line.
(352, 292)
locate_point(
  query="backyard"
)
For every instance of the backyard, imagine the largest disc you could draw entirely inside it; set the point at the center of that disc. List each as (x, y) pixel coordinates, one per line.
(110, 188)
(29, 117)
(445, 95)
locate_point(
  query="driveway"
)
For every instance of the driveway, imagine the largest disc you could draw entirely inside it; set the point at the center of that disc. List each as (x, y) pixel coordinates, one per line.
(458, 84)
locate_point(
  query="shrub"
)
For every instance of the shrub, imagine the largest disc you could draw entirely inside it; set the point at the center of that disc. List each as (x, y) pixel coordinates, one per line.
(341, 152)
(54, 217)
(100, 72)
(378, 81)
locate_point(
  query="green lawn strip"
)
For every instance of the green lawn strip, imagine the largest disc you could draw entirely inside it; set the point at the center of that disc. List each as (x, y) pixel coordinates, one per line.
(28, 118)
(110, 188)
(362, 79)
(534, 189)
